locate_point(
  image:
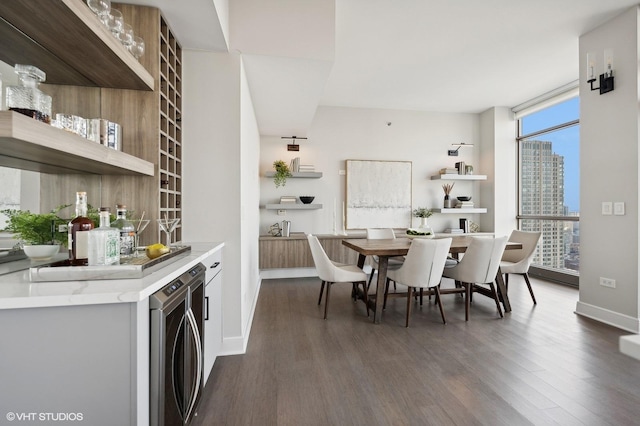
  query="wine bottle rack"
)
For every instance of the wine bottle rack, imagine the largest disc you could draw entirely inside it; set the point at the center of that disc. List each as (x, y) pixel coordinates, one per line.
(170, 161)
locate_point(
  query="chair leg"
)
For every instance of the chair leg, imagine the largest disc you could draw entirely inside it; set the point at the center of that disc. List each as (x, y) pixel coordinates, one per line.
(421, 294)
(365, 295)
(526, 279)
(326, 302)
(506, 281)
(439, 300)
(409, 291)
(321, 291)
(386, 291)
(495, 297)
(373, 271)
(467, 301)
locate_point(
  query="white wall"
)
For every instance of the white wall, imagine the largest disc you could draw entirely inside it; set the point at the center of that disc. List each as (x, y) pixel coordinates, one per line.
(609, 164)
(338, 134)
(499, 161)
(220, 179)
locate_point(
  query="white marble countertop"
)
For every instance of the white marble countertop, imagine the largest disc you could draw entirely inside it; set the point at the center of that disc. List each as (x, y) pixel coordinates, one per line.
(17, 291)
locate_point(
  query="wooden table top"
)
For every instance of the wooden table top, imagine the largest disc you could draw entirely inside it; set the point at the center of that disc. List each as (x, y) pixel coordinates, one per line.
(400, 246)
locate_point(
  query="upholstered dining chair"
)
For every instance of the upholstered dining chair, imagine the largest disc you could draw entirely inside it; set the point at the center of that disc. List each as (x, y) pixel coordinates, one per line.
(479, 265)
(331, 272)
(422, 269)
(394, 262)
(519, 261)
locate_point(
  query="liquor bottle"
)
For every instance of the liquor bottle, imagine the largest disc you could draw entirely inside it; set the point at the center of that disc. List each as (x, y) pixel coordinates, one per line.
(104, 242)
(78, 232)
(127, 232)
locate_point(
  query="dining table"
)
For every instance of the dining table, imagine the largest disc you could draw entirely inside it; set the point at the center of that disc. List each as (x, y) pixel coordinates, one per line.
(386, 248)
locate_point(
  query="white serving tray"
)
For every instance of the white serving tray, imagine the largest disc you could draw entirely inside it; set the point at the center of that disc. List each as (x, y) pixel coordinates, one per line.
(137, 267)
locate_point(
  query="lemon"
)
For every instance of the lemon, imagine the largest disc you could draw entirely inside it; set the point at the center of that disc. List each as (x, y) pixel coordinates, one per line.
(156, 250)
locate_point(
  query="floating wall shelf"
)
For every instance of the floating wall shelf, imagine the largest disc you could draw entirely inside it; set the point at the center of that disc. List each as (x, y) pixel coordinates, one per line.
(458, 177)
(460, 210)
(293, 206)
(310, 175)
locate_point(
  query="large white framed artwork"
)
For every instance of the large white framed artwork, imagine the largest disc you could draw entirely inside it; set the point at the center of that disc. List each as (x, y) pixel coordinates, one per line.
(378, 194)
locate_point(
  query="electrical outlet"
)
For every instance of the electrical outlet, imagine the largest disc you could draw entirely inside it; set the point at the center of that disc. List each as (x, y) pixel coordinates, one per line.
(618, 208)
(608, 282)
(607, 208)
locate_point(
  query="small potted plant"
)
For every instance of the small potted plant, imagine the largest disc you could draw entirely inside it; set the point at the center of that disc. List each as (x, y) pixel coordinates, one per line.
(282, 173)
(38, 233)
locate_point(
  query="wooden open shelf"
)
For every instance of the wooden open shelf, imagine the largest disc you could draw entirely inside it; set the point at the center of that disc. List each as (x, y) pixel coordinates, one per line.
(53, 34)
(28, 144)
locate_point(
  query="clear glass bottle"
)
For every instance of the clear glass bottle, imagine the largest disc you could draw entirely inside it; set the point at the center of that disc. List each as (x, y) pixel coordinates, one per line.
(104, 242)
(127, 232)
(27, 99)
(78, 232)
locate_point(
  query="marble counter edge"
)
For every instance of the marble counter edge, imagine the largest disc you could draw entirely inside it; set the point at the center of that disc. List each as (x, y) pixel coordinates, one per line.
(94, 292)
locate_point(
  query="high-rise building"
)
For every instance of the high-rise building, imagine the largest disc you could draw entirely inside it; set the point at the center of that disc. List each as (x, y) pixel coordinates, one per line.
(542, 186)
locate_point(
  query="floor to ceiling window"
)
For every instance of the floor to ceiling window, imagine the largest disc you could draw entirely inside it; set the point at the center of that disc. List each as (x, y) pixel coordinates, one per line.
(549, 187)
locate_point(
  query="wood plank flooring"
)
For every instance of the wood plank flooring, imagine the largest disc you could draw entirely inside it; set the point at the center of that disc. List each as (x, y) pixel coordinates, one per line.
(540, 365)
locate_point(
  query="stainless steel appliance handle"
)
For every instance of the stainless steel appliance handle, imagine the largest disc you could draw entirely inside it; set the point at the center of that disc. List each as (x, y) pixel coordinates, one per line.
(196, 388)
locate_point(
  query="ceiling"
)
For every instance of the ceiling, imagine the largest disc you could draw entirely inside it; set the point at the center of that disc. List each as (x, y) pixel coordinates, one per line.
(462, 56)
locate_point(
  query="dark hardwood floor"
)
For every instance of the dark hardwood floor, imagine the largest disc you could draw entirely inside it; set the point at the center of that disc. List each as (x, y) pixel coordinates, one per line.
(540, 365)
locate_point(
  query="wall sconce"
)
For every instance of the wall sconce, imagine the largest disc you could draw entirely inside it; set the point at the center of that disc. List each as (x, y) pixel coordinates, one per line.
(292, 146)
(454, 152)
(606, 79)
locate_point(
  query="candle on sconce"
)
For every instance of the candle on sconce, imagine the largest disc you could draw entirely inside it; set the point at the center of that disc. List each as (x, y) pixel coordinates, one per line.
(591, 66)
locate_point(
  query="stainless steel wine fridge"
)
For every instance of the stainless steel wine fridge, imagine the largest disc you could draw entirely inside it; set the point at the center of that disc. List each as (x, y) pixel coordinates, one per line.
(177, 323)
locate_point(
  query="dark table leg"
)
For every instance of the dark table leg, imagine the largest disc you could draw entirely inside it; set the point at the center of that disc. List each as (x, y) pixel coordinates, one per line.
(502, 289)
(383, 262)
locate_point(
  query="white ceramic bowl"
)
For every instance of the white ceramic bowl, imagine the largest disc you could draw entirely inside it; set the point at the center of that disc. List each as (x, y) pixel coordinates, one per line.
(41, 252)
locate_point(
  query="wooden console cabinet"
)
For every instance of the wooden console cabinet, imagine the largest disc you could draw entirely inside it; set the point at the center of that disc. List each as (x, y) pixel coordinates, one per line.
(294, 252)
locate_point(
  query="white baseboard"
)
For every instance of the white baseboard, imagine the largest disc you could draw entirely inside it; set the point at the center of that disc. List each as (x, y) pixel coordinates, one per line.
(630, 345)
(616, 319)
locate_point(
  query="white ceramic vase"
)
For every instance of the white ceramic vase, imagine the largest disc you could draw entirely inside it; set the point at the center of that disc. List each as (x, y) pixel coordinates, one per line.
(424, 226)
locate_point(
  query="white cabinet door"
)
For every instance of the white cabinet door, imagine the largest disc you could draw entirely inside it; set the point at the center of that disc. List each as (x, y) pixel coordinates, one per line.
(213, 312)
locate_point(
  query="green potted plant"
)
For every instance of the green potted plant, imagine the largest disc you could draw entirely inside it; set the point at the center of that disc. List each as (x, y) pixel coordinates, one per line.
(282, 173)
(38, 233)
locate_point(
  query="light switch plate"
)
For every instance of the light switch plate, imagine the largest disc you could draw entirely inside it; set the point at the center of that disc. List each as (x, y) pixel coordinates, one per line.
(618, 208)
(607, 208)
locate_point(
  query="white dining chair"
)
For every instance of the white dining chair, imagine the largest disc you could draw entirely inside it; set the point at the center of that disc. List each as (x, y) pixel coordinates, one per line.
(394, 262)
(331, 272)
(422, 269)
(519, 261)
(479, 265)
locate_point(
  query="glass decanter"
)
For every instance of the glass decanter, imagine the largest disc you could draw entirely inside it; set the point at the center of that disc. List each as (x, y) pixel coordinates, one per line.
(27, 99)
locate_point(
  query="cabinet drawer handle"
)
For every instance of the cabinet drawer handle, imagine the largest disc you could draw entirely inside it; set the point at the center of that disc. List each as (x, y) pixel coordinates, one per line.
(215, 265)
(206, 308)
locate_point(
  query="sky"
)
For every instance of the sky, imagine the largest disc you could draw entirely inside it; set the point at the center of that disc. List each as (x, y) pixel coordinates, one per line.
(565, 142)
